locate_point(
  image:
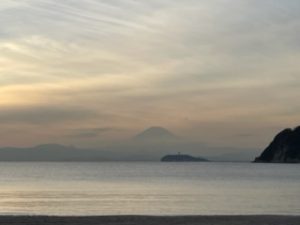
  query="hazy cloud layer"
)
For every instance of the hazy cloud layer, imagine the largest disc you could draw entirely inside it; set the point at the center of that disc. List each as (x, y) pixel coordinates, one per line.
(43, 114)
(89, 132)
(210, 70)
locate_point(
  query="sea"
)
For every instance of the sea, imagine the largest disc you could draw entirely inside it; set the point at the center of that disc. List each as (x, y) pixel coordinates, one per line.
(148, 188)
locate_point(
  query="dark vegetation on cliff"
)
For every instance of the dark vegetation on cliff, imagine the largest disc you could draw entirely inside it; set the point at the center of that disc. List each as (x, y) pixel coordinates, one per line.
(285, 148)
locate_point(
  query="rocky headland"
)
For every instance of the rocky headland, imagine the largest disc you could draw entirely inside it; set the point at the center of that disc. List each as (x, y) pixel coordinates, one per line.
(285, 148)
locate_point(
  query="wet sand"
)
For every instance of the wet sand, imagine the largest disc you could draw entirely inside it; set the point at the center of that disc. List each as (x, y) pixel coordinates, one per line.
(150, 220)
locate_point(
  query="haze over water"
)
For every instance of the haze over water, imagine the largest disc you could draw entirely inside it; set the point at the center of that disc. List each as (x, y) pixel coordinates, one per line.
(149, 188)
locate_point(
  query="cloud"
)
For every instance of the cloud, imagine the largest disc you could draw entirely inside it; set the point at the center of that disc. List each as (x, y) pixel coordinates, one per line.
(89, 133)
(44, 114)
(132, 64)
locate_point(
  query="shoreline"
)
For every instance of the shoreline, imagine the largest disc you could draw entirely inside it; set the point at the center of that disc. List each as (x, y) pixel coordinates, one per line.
(152, 220)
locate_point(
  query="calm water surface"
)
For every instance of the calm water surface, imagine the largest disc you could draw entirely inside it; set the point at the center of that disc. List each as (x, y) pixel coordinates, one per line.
(149, 188)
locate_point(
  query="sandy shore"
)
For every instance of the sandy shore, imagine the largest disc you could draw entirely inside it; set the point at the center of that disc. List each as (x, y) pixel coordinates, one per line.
(151, 220)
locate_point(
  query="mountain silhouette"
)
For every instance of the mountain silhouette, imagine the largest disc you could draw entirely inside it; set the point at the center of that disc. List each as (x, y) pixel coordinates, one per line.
(155, 134)
(285, 148)
(50, 152)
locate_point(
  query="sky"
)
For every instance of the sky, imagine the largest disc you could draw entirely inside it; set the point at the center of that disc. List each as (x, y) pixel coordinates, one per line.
(221, 72)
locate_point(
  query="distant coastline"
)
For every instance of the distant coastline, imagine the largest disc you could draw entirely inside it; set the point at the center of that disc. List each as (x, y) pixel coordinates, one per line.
(148, 145)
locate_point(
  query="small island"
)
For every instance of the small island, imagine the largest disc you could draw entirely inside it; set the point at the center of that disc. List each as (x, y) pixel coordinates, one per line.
(182, 158)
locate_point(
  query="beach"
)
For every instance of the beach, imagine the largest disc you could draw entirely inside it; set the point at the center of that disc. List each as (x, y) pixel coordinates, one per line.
(151, 220)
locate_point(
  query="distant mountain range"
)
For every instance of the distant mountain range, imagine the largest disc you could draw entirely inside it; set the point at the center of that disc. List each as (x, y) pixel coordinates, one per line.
(50, 152)
(149, 145)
